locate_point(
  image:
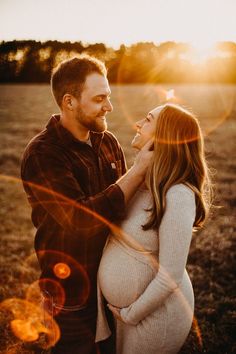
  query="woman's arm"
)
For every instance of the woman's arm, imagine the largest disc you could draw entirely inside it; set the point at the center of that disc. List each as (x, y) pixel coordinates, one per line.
(174, 241)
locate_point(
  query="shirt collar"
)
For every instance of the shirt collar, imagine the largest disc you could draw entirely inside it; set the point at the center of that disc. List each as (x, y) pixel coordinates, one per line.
(67, 138)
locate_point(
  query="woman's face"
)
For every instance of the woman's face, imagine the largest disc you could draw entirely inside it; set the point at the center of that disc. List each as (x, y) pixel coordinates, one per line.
(146, 129)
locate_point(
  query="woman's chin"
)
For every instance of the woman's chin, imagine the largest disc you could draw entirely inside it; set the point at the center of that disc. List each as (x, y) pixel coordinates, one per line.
(135, 145)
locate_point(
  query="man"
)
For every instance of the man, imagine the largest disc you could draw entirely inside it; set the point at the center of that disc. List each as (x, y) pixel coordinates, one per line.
(72, 174)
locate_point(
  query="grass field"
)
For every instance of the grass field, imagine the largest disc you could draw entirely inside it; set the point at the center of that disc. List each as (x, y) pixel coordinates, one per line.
(25, 109)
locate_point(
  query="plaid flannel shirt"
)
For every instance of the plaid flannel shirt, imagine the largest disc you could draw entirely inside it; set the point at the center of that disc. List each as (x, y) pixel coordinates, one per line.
(71, 188)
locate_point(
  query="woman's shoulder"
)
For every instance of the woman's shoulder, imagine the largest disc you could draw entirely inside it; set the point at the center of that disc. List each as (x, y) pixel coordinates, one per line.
(180, 190)
(181, 199)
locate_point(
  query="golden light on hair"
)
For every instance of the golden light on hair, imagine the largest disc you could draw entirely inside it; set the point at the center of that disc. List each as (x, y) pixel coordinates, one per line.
(62, 270)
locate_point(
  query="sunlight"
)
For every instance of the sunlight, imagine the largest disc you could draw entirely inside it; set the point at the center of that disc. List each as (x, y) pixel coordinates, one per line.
(44, 53)
(170, 94)
(199, 53)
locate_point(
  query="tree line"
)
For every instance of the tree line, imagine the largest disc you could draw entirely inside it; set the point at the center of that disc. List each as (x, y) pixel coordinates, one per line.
(32, 61)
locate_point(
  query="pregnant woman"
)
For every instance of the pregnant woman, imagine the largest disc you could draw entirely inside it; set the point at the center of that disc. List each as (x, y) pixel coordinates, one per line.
(142, 272)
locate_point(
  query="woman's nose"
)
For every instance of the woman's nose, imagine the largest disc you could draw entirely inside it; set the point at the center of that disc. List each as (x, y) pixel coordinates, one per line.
(138, 124)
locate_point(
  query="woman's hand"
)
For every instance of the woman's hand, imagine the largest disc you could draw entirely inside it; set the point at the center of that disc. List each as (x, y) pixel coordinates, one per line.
(116, 312)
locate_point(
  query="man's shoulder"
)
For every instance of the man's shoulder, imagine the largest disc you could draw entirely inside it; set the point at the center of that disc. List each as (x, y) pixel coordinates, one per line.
(43, 144)
(39, 142)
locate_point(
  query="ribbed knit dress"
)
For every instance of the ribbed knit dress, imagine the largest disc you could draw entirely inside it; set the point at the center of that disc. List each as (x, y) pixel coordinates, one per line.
(154, 289)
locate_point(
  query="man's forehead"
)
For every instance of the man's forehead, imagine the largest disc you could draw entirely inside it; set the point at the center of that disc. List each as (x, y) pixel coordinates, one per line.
(96, 83)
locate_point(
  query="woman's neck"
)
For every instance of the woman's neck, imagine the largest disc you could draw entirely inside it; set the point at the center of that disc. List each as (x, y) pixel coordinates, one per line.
(143, 186)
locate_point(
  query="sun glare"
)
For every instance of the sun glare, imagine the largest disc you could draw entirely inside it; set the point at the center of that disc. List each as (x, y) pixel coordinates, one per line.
(170, 94)
(200, 53)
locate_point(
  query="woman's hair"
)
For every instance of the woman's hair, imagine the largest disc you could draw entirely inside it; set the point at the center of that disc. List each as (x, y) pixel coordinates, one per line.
(178, 158)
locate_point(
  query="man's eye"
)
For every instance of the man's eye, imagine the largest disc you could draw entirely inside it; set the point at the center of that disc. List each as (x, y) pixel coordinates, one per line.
(99, 99)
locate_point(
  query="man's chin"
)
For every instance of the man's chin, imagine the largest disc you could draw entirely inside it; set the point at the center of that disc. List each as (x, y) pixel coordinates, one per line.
(99, 128)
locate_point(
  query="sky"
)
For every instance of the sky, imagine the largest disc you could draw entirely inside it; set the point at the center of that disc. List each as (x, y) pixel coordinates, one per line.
(113, 22)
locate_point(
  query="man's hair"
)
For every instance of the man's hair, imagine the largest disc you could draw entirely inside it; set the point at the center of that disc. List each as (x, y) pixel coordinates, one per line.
(70, 75)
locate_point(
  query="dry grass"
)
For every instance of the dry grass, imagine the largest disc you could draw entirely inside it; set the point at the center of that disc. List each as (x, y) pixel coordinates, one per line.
(24, 110)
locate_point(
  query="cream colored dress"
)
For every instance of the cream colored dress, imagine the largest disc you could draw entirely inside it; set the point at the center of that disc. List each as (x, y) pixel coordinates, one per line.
(154, 289)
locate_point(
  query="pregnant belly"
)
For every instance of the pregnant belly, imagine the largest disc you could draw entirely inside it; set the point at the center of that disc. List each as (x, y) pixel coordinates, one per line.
(122, 278)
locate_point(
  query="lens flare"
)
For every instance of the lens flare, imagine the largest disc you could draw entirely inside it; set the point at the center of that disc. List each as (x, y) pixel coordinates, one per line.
(62, 270)
(170, 94)
(46, 292)
(197, 331)
(30, 321)
(24, 330)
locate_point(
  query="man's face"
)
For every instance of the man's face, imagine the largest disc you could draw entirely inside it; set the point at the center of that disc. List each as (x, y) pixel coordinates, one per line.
(94, 103)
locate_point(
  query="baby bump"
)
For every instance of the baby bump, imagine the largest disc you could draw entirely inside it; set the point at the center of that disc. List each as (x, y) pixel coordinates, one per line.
(122, 278)
(180, 309)
(182, 299)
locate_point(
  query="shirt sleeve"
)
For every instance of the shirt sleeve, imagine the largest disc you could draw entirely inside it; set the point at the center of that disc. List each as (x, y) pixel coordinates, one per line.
(49, 181)
(123, 161)
(175, 235)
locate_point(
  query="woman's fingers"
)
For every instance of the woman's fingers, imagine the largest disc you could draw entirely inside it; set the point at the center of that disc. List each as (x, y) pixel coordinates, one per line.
(115, 311)
(113, 308)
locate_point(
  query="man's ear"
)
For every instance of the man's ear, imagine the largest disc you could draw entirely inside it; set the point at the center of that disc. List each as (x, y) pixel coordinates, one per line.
(68, 102)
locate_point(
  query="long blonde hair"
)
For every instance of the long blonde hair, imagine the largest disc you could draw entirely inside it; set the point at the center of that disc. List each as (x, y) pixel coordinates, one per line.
(178, 158)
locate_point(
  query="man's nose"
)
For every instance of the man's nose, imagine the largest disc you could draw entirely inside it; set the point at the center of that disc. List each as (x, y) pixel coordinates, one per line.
(108, 106)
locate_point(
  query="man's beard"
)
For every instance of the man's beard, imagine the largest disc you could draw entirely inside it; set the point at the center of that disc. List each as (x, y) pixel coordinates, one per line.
(94, 124)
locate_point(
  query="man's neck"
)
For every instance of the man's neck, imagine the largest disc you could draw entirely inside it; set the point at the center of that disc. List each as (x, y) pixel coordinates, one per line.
(79, 132)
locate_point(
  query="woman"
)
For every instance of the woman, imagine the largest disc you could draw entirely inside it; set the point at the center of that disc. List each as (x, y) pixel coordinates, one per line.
(142, 273)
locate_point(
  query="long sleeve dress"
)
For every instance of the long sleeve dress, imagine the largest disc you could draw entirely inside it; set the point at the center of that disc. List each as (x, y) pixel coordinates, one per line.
(156, 298)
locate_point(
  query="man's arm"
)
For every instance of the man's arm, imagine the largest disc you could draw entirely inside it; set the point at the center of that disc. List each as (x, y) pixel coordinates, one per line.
(49, 181)
(136, 174)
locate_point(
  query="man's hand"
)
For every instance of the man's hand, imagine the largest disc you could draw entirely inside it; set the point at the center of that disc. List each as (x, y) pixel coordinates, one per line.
(143, 158)
(135, 176)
